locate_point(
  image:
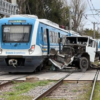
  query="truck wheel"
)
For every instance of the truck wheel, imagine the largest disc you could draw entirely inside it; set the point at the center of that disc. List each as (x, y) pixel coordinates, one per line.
(83, 64)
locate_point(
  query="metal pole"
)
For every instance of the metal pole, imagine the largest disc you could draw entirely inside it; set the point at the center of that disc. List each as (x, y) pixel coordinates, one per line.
(69, 20)
(95, 79)
(94, 30)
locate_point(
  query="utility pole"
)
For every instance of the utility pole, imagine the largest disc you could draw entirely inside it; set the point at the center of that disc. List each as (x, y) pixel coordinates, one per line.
(94, 23)
(94, 30)
(70, 20)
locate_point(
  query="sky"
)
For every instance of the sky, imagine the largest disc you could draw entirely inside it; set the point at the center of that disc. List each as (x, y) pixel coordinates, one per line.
(93, 7)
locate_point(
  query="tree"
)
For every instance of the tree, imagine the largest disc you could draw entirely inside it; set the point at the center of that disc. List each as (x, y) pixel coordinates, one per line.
(78, 8)
(22, 6)
(89, 32)
(53, 10)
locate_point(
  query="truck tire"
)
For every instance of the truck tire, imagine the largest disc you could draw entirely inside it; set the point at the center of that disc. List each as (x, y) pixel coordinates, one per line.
(83, 64)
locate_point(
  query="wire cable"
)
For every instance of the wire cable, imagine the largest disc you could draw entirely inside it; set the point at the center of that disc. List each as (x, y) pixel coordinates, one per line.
(91, 9)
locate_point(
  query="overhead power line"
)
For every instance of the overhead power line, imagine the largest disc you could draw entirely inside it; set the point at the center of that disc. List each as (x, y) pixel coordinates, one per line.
(91, 8)
(94, 7)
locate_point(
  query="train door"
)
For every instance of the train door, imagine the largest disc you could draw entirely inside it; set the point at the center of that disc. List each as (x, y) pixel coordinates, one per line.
(59, 43)
(44, 40)
(48, 44)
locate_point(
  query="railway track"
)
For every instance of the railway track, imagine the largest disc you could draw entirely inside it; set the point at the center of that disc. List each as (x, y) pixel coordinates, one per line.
(48, 91)
(94, 82)
(55, 86)
(60, 82)
(4, 81)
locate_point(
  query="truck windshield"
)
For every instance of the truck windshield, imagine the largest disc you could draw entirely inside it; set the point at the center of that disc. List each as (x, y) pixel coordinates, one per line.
(16, 33)
(77, 40)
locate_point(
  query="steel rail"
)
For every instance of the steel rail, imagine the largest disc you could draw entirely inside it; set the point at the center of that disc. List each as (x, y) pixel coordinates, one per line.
(48, 91)
(10, 81)
(95, 79)
(4, 73)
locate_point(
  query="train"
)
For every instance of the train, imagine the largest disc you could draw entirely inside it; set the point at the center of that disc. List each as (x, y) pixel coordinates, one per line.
(26, 41)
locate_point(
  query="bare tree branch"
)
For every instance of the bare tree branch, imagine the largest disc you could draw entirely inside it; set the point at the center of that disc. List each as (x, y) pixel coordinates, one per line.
(21, 4)
(78, 8)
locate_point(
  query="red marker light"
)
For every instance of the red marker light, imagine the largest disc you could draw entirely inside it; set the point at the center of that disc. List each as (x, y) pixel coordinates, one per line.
(32, 47)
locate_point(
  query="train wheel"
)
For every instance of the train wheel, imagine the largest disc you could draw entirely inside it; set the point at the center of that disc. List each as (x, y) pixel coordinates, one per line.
(84, 64)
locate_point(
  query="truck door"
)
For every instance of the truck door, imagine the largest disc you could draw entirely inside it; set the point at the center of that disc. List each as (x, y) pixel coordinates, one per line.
(91, 49)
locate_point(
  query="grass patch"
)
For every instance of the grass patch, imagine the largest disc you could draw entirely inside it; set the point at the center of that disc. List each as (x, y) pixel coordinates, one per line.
(97, 92)
(74, 90)
(17, 97)
(86, 92)
(51, 99)
(97, 63)
(20, 88)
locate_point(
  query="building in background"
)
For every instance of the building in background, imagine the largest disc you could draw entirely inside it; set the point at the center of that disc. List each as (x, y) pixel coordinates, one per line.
(8, 7)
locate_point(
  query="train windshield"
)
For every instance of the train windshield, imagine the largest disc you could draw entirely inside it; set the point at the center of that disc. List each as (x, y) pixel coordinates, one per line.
(16, 33)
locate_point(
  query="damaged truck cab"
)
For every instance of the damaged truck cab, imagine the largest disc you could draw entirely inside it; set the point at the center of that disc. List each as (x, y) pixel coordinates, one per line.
(75, 51)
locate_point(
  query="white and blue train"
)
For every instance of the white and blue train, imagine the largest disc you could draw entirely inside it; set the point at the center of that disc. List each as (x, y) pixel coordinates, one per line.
(26, 41)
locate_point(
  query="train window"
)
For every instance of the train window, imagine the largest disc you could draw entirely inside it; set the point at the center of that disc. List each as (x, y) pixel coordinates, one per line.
(50, 35)
(53, 37)
(56, 37)
(45, 35)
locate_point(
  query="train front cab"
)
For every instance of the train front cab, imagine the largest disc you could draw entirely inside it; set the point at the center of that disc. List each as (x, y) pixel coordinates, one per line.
(17, 43)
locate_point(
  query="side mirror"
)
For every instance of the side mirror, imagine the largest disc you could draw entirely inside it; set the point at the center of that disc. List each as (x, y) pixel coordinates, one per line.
(59, 40)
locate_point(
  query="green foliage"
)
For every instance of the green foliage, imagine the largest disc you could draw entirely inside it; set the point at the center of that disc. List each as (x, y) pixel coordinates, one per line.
(53, 10)
(52, 99)
(20, 88)
(89, 32)
(97, 92)
(27, 85)
(16, 97)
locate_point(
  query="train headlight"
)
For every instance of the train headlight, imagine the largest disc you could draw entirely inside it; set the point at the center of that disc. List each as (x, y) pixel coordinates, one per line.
(31, 49)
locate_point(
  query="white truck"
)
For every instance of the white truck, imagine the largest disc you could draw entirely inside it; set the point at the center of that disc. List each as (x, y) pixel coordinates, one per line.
(75, 51)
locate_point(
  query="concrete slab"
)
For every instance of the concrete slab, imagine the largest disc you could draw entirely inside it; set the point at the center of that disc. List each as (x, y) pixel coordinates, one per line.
(77, 76)
(87, 77)
(74, 76)
(50, 75)
(10, 77)
(82, 76)
(99, 76)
